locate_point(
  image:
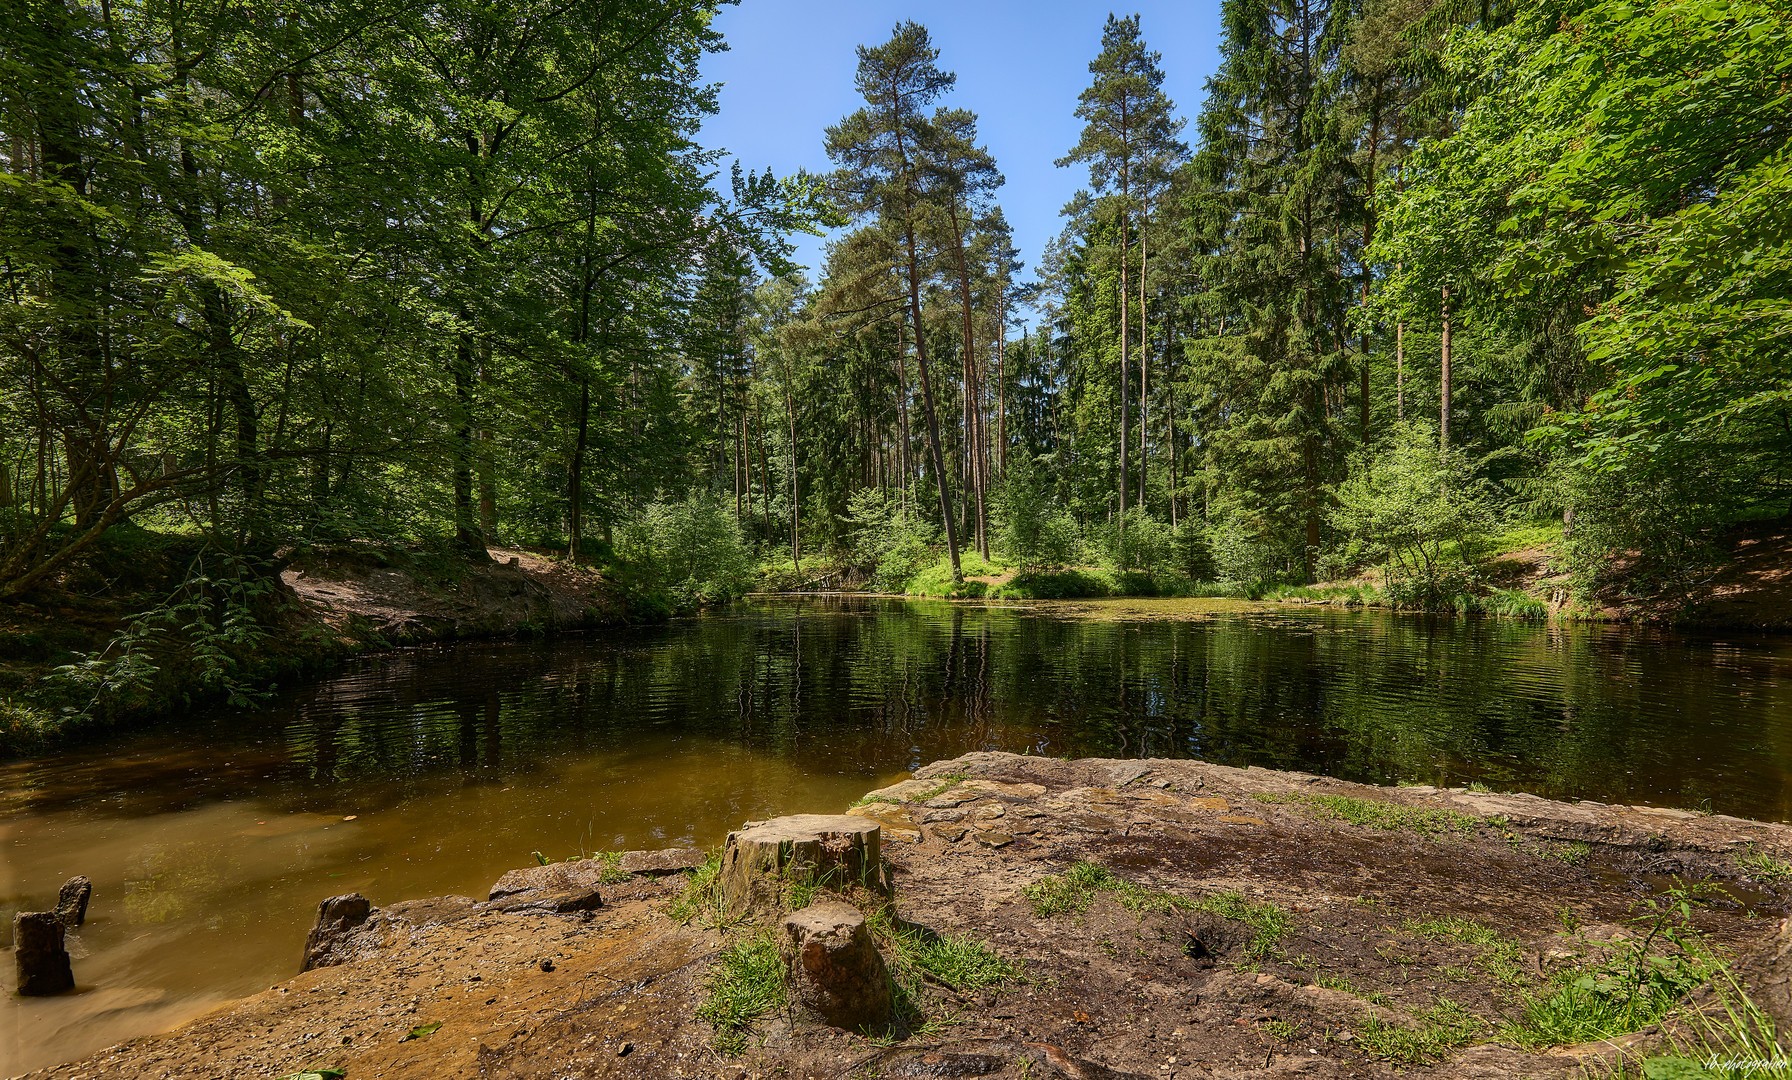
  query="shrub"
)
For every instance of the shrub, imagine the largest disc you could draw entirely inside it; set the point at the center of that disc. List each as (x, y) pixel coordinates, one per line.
(1418, 511)
(693, 550)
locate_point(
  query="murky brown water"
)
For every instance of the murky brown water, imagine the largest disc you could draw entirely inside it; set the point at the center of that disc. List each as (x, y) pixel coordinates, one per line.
(210, 841)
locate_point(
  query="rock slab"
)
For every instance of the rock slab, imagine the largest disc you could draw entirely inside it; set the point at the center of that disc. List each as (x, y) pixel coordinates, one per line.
(41, 954)
(832, 850)
(337, 918)
(71, 902)
(835, 972)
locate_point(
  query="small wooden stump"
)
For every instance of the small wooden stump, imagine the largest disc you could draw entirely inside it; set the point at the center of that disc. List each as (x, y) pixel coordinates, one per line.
(71, 902)
(830, 850)
(836, 974)
(40, 953)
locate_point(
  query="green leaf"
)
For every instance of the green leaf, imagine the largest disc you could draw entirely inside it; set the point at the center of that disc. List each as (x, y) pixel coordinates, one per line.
(421, 1030)
(315, 1074)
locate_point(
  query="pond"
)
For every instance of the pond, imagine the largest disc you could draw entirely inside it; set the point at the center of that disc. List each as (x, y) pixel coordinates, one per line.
(431, 771)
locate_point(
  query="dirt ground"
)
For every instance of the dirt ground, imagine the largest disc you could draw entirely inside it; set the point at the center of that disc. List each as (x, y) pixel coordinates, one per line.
(365, 596)
(1374, 888)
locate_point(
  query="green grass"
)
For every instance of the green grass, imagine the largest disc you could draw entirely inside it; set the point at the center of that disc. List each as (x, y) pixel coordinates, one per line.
(1499, 955)
(1376, 814)
(1764, 867)
(1269, 924)
(1393, 817)
(1625, 992)
(1440, 1029)
(1074, 890)
(611, 873)
(1336, 982)
(959, 962)
(702, 895)
(746, 984)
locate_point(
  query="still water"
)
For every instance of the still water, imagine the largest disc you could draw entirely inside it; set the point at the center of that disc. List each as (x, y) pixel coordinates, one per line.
(432, 771)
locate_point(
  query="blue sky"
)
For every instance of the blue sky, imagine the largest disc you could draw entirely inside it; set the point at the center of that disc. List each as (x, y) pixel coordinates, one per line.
(789, 70)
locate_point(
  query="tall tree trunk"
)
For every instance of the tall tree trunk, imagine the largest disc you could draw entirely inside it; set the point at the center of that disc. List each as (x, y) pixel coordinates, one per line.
(1400, 369)
(1144, 355)
(796, 521)
(973, 403)
(575, 477)
(467, 535)
(942, 479)
(1443, 393)
(1125, 363)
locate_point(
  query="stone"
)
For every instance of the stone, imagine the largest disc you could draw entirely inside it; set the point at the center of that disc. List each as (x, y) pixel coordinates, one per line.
(71, 902)
(835, 972)
(40, 955)
(994, 839)
(560, 877)
(898, 822)
(658, 863)
(831, 850)
(337, 918)
(548, 901)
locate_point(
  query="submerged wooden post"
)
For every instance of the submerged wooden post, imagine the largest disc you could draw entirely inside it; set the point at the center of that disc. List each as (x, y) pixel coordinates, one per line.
(39, 951)
(834, 851)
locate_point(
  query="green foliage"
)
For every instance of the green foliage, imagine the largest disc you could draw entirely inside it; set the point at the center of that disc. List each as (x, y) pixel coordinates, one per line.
(210, 624)
(1418, 512)
(1033, 531)
(1652, 970)
(693, 550)
(888, 538)
(701, 896)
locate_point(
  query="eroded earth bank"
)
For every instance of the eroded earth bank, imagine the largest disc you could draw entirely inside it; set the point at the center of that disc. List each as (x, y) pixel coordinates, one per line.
(1078, 919)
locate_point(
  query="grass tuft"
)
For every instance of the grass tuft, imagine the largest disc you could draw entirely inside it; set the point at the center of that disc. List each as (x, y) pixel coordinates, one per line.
(702, 895)
(1440, 1029)
(1269, 924)
(746, 984)
(1764, 867)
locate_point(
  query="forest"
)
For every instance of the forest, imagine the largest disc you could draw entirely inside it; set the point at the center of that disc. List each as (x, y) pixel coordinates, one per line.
(1418, 281)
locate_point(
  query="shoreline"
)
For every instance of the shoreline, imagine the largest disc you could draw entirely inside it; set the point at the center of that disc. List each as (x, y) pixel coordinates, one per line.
(1237, 922)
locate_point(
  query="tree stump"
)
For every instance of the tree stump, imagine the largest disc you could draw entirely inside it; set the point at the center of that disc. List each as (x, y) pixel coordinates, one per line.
(830, 850)
(337, 917)
(71, 902)
(836, 974)
(39, 952)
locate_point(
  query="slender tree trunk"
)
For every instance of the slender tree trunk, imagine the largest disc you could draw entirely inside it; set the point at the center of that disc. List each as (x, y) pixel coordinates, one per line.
(467, 535)
(796, 521)
(575, 477)
(973, 403)
(1443, 393)
(765, 476)
(1002, 390)
(1125, 362)
(1400, 369)
(941, 477)
(1144, 357)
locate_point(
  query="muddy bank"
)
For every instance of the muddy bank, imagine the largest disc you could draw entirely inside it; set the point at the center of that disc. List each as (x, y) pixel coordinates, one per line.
(1236, 922)
(324, 605)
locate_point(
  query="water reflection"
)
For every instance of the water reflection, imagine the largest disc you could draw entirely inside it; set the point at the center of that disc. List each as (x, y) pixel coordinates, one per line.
(211, 841)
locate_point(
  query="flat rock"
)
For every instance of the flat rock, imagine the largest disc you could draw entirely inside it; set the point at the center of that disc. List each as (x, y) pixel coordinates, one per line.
(664, 861)
(898, 822)
(553, 878)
